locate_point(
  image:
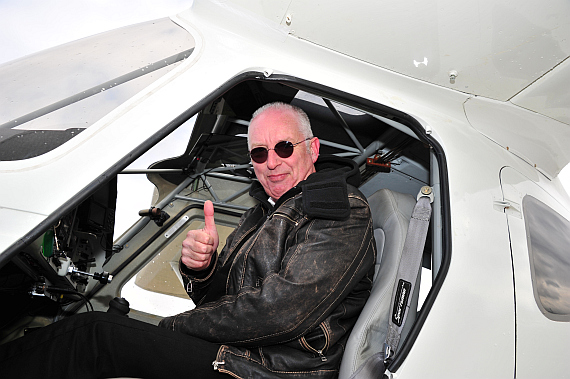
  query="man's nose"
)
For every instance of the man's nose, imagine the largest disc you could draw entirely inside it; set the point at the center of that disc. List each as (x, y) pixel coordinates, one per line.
(273, 159)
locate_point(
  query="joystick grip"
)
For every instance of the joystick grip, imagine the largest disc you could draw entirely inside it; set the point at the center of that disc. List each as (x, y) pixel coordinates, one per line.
(119, 306)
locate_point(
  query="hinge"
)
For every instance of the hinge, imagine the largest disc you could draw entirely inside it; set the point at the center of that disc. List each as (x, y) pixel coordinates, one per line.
(509, 207)
(501, 204)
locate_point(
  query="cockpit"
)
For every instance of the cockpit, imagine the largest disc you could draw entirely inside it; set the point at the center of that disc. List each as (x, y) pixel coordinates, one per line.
(120, 237)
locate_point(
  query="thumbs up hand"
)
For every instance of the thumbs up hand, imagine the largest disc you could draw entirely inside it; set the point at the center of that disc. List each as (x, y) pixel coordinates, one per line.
(200, 245)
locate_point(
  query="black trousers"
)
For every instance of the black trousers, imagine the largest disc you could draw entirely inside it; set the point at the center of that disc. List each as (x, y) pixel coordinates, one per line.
(103, 345)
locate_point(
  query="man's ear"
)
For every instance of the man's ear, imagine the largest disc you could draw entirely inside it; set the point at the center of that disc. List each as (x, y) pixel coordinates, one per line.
(315, 146)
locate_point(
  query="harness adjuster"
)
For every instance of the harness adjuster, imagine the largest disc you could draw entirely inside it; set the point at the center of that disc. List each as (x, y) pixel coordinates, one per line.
(388, 352)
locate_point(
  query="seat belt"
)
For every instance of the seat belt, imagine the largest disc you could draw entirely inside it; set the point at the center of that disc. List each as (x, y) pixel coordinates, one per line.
(410, 264)
(408, 270)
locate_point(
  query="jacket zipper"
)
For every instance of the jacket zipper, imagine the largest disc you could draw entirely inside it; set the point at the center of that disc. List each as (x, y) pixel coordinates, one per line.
(217, 363)
(320, 352)
(323, 358)
(285, 216)
(244, 238)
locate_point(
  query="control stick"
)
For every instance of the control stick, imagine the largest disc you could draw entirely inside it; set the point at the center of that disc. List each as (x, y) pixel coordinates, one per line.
(119, 306)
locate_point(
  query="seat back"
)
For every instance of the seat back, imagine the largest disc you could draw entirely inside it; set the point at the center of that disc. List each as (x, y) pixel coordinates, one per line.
(391, 212)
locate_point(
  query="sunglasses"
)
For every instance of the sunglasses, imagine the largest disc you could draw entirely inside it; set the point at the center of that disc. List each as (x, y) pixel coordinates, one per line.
(284, 149)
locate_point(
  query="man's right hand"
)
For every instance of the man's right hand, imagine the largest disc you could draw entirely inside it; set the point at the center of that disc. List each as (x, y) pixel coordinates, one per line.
(200, 245)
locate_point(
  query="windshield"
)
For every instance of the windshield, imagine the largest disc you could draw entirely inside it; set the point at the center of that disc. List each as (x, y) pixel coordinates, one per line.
(50, 97)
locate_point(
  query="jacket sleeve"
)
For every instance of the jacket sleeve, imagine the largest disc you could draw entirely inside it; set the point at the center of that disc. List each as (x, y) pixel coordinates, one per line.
(322, 263)
(196, 282)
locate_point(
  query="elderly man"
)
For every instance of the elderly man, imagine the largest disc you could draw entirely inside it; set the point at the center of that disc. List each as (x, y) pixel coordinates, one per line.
(281, 297)
(296, 272)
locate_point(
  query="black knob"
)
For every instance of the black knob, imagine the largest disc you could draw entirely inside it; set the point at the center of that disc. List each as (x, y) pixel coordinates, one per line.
(119, 306)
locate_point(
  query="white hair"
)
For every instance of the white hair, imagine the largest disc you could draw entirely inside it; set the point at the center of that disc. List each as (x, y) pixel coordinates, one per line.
(302, 119)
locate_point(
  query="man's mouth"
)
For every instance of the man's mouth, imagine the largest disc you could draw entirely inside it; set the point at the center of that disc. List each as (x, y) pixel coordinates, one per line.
(276, 177)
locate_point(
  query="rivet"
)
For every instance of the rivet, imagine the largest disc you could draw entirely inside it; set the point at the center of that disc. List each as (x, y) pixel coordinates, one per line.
(452, 76)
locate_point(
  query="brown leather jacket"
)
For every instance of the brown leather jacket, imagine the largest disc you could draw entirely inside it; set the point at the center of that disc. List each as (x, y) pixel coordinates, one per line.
(285, 291)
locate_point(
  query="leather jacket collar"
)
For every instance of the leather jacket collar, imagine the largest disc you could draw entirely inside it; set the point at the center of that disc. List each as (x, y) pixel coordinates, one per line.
(324, 195)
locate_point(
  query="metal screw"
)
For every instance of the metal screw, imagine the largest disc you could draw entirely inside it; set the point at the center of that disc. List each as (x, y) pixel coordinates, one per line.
(452, 76)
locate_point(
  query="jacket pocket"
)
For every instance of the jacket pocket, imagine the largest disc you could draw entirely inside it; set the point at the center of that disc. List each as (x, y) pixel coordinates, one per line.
(317, 341)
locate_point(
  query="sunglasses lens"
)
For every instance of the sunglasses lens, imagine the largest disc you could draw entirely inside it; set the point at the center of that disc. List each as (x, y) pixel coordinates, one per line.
(258, 155)
(284, 149)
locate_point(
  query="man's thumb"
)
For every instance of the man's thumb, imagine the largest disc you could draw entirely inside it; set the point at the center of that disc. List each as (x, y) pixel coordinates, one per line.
(209, 217)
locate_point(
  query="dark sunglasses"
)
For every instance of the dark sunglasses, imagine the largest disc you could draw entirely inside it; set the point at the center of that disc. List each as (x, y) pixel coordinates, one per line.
(284, 149)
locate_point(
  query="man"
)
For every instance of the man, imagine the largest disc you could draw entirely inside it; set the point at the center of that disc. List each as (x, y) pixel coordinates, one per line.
(278, 301)
(296, 272)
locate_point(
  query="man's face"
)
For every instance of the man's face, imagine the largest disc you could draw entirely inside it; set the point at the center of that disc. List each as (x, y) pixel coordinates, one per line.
(278, 175)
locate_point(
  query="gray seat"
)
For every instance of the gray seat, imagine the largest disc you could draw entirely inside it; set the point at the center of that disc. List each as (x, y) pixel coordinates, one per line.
(391, 212)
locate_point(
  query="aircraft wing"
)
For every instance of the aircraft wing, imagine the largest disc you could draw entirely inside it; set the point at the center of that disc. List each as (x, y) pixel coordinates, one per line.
(513, 54)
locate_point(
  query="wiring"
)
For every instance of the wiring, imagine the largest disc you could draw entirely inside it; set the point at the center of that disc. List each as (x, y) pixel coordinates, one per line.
(67, 291)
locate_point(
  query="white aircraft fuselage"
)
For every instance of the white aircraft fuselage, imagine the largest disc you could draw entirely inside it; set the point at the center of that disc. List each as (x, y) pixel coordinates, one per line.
(474, 93)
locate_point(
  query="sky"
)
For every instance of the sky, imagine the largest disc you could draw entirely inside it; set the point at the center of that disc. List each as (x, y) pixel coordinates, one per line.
(29, 26)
